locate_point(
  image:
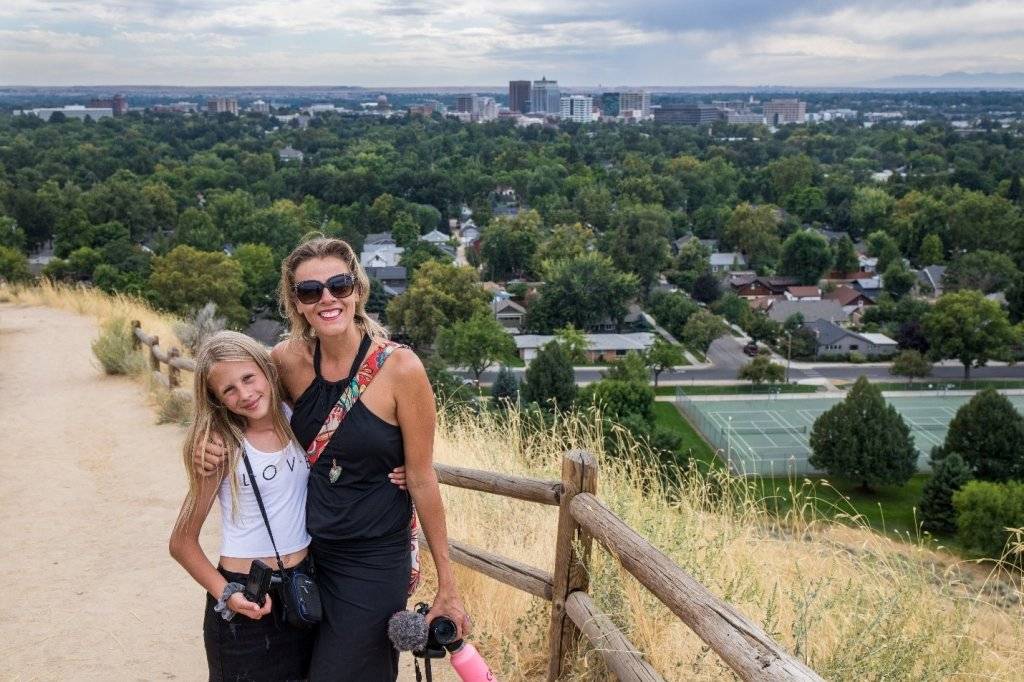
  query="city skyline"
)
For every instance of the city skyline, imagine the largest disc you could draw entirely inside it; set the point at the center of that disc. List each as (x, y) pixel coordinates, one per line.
(421, 43)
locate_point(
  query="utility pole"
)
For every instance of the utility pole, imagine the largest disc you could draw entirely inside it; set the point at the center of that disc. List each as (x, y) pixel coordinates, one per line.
(789, 352)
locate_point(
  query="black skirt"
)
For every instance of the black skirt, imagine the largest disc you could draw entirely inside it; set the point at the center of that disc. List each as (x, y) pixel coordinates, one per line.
(246, 650)
(362, 584)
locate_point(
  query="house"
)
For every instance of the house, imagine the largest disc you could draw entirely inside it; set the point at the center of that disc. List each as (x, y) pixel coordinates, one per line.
(394, 278)
(851, 299)
(435, 237)
(831, 235)
(509, 314)
(835, 340)
(634, 319)
(727, 261)
(468, 232)
(710, 244)
(782, 310)
(380, 251)
(929, 280)
(289, 154)
(867, 263)
(753, 286)
(802, 293)
(600, 347)
(870, 287)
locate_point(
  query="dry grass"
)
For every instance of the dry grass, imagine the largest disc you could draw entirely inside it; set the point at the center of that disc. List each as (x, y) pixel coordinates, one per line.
(852, 603)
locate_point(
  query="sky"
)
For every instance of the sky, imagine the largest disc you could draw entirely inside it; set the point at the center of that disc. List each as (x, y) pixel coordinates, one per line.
(395, 43)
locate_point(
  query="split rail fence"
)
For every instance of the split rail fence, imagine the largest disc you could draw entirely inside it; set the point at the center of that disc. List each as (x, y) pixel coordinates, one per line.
(582, 518)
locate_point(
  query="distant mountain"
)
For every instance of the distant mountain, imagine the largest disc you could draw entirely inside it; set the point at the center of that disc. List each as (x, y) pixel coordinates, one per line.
(956, 79)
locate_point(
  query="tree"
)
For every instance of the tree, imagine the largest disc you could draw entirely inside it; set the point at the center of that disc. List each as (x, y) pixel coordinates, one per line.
(764, 329)
(706, 288)
(692, 261)
(575, 343)
(870, 209)
(965, 326)
(260, 274)
(405, 230)
(196, 229)
(632, 367)
(910, 364)
(931, 251)
(989, 434)
(672, 310)
(898, 280)
(583, 292)
(986, 514)
(505, 389)
(619, 400)
(186, 279)
(806, 256)
(13, 265)
(638, 243)
(883, 247)
(986, 271)
(864, 439)
(949, 474)
(754, 230)
(550, 381)
(564, 241)
(508, 245)
(419, 253)
(439, 295)
(663, 356)
(846, 260)
(702, 329)
(476, 343)
(762, 370)
(11, 235)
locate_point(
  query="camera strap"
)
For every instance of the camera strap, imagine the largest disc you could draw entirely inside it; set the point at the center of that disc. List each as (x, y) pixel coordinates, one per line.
(263, 511)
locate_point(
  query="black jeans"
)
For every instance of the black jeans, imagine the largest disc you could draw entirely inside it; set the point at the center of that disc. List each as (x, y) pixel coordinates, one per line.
(246, 650)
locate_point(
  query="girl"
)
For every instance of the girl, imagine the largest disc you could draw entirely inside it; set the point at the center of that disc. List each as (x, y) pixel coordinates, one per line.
(238, 400)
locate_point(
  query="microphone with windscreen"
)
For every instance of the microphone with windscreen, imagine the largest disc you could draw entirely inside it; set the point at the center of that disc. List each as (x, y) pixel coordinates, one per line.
(409, 631)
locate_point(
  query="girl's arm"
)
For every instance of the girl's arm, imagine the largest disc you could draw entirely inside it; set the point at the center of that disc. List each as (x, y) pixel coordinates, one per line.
(186, 550)
(417, 420)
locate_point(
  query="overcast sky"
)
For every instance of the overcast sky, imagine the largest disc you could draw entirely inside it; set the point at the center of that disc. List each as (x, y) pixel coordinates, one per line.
(487, 42)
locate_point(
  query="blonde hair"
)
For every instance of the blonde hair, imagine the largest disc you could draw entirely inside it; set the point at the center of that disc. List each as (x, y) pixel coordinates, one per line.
(211, 417)
(325, 247)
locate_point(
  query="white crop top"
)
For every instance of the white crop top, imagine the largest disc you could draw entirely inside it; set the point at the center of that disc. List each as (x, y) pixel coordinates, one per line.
(282, 477)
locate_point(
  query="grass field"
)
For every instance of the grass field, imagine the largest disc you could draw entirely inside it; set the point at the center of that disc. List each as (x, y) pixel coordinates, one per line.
(667, 416)
(736, 389)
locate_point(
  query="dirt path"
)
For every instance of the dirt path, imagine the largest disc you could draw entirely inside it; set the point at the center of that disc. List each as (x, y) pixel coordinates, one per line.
(90, 488)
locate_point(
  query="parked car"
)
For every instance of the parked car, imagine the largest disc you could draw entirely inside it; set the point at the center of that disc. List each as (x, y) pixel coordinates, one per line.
(751, 349)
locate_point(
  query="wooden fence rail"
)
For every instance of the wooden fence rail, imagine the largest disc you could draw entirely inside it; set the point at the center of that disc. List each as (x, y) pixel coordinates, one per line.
(582, 517)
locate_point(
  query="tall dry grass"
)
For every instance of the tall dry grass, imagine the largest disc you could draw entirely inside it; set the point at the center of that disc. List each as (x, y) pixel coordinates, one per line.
(854, 604)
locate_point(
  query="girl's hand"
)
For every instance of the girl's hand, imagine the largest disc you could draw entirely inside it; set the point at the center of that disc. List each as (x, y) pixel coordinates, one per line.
(448, 603)
(208, 459)
(239, 604)
(397, 476)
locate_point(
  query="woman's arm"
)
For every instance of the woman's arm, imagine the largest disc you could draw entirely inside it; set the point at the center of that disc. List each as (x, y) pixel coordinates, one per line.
(417, 419)
(184, 547)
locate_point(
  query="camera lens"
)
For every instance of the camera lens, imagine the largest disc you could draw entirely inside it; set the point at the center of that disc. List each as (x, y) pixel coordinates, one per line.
(444, 631)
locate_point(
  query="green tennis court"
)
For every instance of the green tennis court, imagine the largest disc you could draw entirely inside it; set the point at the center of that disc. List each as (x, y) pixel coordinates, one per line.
(769, 435)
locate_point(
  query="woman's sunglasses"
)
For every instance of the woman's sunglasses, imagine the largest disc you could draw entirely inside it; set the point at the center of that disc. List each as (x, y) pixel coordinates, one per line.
(310, 290)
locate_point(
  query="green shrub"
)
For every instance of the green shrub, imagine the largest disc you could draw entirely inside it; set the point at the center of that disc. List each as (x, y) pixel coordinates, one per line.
(857, 357)
(950, 475)
(173, 407)
(114, 349)
(985, 512)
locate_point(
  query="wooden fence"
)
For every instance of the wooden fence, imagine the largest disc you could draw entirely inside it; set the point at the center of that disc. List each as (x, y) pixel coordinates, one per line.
(742, 644)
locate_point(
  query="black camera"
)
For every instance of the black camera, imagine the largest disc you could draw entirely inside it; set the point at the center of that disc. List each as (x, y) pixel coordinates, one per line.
(258, 582)
(442, 635)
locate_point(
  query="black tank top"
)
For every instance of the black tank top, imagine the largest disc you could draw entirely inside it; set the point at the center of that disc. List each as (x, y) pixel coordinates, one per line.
(362, 503)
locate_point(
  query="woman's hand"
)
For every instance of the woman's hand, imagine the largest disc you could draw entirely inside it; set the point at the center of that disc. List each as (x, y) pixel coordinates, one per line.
(239, 604)
(448, 603)
(397, 476)
(209, 458)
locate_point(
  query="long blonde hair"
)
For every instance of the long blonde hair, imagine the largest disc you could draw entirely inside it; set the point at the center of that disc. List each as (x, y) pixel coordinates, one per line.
(212, 417)
(325, 247)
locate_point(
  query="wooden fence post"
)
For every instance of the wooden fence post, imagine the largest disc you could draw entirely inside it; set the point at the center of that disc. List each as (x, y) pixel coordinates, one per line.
(572, 569)
(173, 378)
(154, 361)
(136, 326)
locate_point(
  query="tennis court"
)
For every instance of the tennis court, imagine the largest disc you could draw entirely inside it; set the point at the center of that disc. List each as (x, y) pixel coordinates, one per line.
(770, 436)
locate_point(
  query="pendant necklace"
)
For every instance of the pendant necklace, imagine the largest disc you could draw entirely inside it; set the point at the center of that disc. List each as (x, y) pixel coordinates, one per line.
(335, 472)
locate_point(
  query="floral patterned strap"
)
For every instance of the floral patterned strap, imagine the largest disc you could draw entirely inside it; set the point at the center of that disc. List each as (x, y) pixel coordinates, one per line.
(367, 371)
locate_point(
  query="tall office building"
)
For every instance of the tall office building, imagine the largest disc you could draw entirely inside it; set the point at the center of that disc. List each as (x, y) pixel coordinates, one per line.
(519, 96)
(118, 104)
(687, 114)
(220, 105)
(635, 100)
(578, 108)
(783, 111)
(545, 97)
(464, 104)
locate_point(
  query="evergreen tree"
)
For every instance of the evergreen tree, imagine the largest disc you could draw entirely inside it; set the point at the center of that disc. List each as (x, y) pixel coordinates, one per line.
(706, 288)
(550, 381)
(505, 389)
(846, 256)
(949, 475)
(989, 434)
(864, 439)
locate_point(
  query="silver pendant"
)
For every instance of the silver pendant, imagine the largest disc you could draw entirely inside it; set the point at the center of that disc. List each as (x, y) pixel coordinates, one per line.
(335, 472)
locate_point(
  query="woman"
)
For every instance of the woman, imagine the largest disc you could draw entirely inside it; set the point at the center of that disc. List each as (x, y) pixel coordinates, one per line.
(358, 520)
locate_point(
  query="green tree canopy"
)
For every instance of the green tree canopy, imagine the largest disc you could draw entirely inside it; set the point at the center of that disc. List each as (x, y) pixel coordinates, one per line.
(186, 279)
(702, 328)
(196, 229)
(439, 295)
(965, 326)
(583, 292)
(846, 256)
(865, 439)
(986, 271)
(931, 252)
(762, 370)
(476, 343)
(754, 230)
(261, 274)
(805, 255)
(911, 364)
(638, 243)
(508, 245)
(949, 474)
(550, 381)
(664, 356)
(989, 434)
(898, 280)
(13, 265)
